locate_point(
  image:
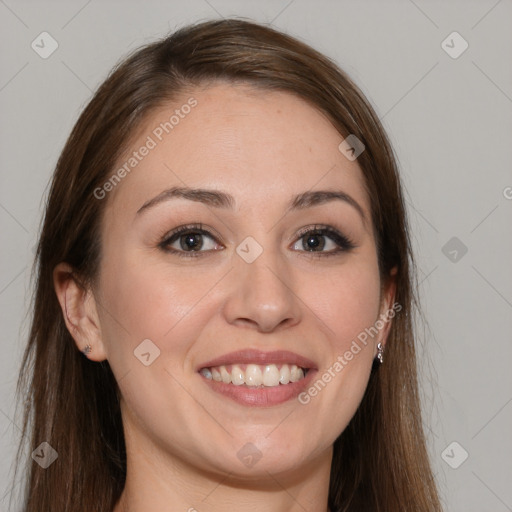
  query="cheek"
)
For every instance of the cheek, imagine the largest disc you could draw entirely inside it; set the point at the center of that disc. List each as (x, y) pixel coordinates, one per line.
(348, 302)
(155, 301)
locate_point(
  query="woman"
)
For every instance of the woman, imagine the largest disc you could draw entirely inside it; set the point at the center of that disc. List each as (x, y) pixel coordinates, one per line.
(222, 315)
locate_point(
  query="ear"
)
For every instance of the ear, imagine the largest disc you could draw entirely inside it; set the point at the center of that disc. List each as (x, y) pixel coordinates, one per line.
(388, 307)
(79, 311)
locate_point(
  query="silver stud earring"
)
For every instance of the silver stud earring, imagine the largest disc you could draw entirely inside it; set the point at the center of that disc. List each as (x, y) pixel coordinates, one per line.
(380, 352)
(87, 350)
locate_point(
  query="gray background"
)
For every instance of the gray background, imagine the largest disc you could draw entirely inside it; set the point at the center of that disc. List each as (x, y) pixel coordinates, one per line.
(450, 120)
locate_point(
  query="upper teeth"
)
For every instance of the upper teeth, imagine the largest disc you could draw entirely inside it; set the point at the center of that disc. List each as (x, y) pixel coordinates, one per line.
(254, 375)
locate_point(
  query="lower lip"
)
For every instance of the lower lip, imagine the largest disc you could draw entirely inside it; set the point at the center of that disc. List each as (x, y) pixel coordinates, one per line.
(261, 397)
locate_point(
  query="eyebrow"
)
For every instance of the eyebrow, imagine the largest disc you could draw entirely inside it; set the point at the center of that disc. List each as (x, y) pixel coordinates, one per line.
(219, 199)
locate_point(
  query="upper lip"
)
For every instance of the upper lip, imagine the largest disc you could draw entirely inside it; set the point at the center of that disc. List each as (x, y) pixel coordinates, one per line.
(249, 356)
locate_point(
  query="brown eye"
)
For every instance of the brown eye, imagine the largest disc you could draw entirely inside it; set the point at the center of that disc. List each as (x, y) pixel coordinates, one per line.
(319, 238)
(189, 239)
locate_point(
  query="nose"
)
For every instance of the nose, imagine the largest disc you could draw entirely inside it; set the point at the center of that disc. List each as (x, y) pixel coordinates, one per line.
(261, 295)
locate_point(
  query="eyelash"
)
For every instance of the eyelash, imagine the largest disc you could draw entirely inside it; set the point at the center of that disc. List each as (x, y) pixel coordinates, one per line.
(344, 243)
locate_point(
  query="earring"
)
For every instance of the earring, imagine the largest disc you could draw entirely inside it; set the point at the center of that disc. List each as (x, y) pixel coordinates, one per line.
(86, 350)
(380, 352)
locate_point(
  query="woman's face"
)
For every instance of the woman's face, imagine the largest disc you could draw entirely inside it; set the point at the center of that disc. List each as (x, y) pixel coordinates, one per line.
(259, 287)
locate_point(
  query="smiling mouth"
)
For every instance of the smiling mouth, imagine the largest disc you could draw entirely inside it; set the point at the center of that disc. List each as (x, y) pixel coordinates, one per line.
(255, 375)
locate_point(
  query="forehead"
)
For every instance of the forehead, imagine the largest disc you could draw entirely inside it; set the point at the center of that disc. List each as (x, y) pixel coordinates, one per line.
(262, 146)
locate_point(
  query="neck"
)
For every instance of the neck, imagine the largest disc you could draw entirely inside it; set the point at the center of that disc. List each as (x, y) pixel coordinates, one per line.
(164, 483)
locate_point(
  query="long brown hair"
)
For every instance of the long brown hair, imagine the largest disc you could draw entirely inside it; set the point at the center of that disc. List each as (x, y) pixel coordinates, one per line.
(380, 461)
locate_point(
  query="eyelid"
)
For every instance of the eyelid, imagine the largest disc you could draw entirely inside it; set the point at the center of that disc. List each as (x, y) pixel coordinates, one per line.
(197, 227)
(316, 227)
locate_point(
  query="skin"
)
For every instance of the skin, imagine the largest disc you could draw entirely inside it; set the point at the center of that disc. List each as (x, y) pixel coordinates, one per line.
(182, 438)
